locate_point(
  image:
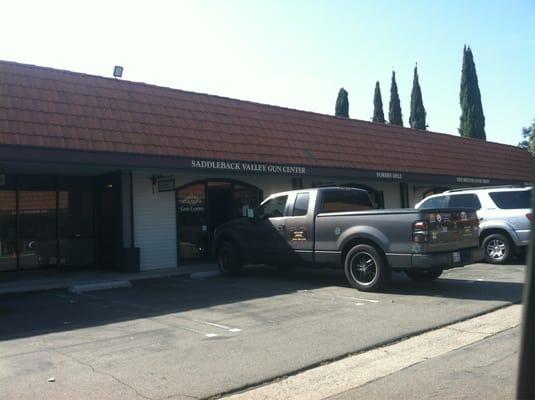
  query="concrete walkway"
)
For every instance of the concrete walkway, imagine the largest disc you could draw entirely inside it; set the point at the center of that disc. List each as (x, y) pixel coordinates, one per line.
(31, 281)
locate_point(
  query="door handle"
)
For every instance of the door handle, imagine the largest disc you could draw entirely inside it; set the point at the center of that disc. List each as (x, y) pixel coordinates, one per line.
(280, 227)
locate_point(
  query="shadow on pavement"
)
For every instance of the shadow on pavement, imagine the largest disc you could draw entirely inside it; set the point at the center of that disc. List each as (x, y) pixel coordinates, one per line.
(30, 314)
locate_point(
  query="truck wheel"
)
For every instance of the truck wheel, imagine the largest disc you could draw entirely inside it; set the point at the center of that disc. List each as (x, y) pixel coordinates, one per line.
(228, 259)
(424, 275)
(365, 268)
(497, 248)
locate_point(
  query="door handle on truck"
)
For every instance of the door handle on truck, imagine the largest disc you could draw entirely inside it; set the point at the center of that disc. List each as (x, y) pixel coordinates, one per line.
(280, 227)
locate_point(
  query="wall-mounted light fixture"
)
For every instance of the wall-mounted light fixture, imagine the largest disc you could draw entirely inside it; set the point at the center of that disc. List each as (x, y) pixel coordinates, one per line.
(118, 71)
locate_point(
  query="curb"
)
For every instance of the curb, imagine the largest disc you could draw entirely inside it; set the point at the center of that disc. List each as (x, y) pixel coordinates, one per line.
(73, 285)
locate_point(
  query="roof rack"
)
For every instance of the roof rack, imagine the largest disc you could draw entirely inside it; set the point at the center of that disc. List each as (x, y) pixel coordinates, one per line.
(485, 187)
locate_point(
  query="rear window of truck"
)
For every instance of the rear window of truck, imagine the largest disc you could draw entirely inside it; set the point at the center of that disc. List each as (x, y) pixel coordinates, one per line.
(511, 200)
(345, 200)
(464, 201)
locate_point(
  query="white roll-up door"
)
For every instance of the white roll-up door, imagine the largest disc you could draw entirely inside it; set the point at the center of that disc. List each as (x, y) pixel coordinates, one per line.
(154, 224)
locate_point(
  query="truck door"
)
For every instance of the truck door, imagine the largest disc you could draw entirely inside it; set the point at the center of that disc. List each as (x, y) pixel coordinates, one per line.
(299, 230)
(270, 242)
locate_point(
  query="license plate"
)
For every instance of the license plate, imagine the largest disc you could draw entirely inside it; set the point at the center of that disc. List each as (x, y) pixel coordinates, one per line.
(456, 257)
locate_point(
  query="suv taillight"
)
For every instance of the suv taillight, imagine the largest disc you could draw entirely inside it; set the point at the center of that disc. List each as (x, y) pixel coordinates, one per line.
(419, 232)
(530, 216)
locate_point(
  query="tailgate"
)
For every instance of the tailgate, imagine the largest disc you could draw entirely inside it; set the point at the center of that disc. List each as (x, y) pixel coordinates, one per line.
(451, 229)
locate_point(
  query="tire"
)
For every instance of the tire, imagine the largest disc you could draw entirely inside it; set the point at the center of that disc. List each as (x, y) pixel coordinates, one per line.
(497, 248)
(424, 275)
(366, 268)
(229, 259)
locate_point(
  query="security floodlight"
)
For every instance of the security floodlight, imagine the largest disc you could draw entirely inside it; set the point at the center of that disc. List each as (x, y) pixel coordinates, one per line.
(117, 71)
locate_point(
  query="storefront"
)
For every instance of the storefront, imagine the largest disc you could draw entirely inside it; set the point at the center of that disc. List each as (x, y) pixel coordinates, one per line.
(59, 222)
(102, 173)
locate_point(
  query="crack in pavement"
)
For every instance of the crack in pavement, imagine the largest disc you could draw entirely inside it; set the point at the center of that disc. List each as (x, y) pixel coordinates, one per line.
(514, 353)
(93, 369)
(103, 373)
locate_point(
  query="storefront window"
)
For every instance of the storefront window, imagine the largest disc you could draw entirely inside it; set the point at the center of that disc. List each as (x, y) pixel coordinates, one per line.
(37, 214)
(47, 221)
(8, 230)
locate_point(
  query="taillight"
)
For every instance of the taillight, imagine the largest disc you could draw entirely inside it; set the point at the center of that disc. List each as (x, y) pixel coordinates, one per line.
(530, 216)
(419, 232)
(420, 226)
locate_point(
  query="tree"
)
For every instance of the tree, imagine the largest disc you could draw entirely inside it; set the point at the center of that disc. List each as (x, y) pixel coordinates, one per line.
(417, 117)
(394, 113)
(529, 139)
(342, 104)
(378, 114)
(472, 119)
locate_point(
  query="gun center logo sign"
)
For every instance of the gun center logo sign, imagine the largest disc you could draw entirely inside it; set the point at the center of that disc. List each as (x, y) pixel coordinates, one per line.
(298, 235)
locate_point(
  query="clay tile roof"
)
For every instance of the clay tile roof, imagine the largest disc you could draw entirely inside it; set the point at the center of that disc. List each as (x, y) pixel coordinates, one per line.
(49, 108)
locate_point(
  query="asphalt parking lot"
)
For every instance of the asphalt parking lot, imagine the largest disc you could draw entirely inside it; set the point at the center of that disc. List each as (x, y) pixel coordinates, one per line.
(196, 338)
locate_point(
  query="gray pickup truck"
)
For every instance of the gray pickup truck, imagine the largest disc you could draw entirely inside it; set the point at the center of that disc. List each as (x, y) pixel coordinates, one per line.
(338, 227)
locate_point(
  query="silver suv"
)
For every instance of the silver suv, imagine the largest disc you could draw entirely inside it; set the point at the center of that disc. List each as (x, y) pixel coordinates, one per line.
(504, 212)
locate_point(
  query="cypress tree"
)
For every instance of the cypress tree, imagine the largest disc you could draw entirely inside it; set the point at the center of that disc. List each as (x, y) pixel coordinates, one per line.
(394, 113)
(417, 117)
(342, 104)
(378, 114)
(472, 119)
(529, 139)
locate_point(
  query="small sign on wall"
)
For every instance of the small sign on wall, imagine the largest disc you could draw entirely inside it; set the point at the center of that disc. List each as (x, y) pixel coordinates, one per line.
(166, 184)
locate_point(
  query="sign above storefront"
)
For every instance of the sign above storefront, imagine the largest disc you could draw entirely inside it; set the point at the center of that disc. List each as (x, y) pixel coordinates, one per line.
(248, 167)
(389, 175)
(466, 179)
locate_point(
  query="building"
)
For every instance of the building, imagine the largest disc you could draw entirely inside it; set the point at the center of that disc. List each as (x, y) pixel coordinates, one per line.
(93, 168)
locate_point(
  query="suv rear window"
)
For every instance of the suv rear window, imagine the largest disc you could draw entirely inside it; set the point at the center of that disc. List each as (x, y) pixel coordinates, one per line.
(464, 201)
(346, 200)
(434, 202)
(511, 200)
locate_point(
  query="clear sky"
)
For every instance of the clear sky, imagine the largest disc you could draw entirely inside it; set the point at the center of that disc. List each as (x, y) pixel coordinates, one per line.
(294, 53)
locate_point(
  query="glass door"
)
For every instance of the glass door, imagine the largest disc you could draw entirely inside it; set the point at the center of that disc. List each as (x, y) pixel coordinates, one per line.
(76, 228)
(192, 222)
(203, 206)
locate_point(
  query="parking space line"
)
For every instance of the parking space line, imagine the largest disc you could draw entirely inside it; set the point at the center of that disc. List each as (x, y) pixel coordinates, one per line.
(359, 299)
(227, 328)
(213, 324)
(184, 328)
